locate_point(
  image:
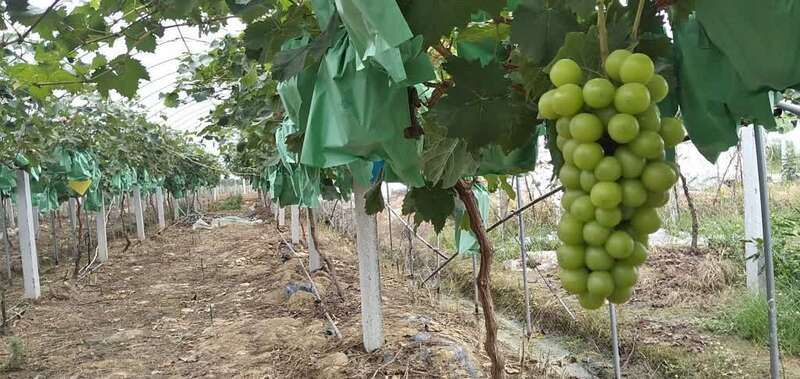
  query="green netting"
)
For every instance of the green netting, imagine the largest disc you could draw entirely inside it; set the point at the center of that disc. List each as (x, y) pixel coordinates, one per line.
(287, 157)
(466, 243)
(281, 189)
(712, 95)
(8, 181)
(296, 93)
(359, 106)
(146, 182)
(758, 37)
(94, 195)
(45, 191)
(123, 180)
(81, 166)
(93, 198)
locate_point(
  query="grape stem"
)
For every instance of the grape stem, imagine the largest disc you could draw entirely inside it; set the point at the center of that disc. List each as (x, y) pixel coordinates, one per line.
(602, 32)
(637, 21)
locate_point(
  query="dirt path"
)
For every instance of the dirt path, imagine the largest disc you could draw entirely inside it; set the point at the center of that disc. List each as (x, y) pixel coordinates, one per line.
(232, 302)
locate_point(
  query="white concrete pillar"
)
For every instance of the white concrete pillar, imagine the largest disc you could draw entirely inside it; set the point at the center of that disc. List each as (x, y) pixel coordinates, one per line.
(754, 257)
(369, 272)
(244, 187)
(12, 219)
(176, 208)
(27, 240)
(295, 212)
(36, 226)
(214, 194)
(102, 239)
(281, 216)
(314, 260)
(137, 209)
(72, 213)
(162, 222)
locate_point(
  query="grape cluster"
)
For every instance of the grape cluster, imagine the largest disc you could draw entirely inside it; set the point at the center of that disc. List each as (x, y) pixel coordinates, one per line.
(613, 141)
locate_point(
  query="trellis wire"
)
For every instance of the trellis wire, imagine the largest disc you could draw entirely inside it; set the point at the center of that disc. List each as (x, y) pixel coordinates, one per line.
(766, 227)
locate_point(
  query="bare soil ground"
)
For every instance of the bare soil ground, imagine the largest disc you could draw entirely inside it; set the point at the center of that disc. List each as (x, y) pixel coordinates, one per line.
(231, 302)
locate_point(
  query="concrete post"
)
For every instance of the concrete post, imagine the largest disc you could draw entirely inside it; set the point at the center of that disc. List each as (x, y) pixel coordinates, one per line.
(281, 216)
(36, 226)
(162, 223)
(369, 272)
(295, 212)
(102, 239)
(27, 242)
(314, 260)
(137, 209)
(12, 219)
(754, 259)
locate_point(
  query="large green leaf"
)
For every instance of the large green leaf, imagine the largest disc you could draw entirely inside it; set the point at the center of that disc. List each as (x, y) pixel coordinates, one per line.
(249, 10)
(436, 18)
(288, 63)
(584, 49)
(430, 204)
(445, 160)
(122, 74)
(373, 199)
(39, 80)
(479, 109)
(539, 29)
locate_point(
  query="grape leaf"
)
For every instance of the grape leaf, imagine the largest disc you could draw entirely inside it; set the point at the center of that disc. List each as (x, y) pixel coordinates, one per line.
(249, 10)
(373, 199)
(171, 99)
(583, 8)
(122, 74)
(32, 76)
(477, 108)
(584, 49)
(556, 159)
(445, 160)
(531, 76)
(177, 9)
(264, 38)
(436, 18)
(288, 63)
(495, 182)
(482, 42)
(430, 204)
(539, 30)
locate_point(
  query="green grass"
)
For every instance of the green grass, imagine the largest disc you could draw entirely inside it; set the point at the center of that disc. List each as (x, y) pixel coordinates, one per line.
(747, 319)
(233, 203)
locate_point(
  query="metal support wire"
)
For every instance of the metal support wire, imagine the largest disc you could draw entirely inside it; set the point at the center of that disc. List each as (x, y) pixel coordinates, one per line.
(389, 215)
(766, 227)
(612, 315)
(524, 257)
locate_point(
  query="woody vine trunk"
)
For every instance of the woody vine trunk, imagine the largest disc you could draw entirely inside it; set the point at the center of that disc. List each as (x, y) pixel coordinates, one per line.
(466, 195)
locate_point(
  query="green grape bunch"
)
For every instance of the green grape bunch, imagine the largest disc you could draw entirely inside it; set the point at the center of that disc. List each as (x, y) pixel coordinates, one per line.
(615, 175)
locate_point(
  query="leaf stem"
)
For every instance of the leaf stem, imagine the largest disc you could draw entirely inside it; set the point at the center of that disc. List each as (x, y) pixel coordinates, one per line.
(602, 32)
(636, 21)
